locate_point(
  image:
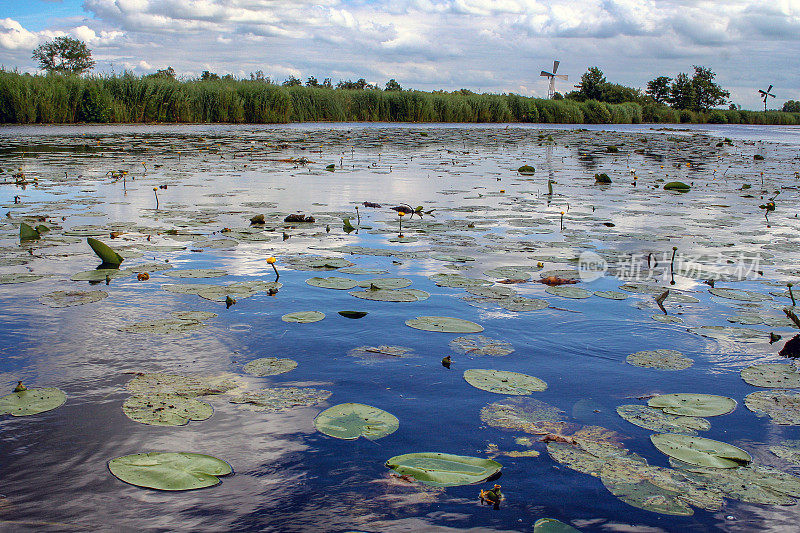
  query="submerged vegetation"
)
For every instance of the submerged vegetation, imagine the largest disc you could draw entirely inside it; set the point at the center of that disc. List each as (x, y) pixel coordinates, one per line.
(66, 99)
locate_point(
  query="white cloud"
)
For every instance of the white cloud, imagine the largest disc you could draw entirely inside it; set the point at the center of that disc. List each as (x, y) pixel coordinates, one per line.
(13, 36)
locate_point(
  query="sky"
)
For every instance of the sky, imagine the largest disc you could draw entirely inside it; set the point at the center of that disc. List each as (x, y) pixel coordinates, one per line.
(481, 45)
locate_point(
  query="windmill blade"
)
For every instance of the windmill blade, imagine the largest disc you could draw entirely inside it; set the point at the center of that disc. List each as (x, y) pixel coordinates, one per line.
(555, 66)
(763, 93)
(770, 94)
(545, 73)
(562, 76)
(768, 88)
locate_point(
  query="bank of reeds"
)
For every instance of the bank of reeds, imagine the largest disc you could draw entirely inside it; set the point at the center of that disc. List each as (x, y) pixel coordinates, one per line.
(55, 99)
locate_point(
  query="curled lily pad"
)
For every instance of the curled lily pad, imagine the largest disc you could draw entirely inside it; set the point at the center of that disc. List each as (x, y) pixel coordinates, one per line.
(32, 401)
(737, 294)
(657, 420)
(661, 359)
(303, 317)
(71, 298)
(503, 382)
(551, 525)
(385, 283)
(353, 314)
(775, 375)
(104, 252)
(196, 273)
(700, 451)
(158, 383)
(333, 282)
(169, 470)
(691, 404)
(269, 366)
(281, 398)
(520, 304)
(568, 291)
(166, 409)
(353, 420)
(782, 406)
(444, 324)
(443, 469)
(481, 345)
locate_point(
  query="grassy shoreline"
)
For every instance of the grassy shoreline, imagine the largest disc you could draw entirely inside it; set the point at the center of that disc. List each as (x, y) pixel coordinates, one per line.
(129, 99)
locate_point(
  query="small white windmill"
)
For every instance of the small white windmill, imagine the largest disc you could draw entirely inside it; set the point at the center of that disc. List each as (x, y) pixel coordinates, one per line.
(552, 75)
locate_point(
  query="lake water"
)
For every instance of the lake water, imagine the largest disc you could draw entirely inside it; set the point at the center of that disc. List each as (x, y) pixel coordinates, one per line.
(288, 476)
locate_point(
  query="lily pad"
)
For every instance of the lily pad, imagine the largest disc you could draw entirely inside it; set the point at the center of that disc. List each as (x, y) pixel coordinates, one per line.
(644, 494)
(353, 420)
(158, 383)
(22, 277)
(32, 401)
(782, 406)
(281, 398)
(443, 469)
(481, 345)
(551, 525)
(611, 295)
(738, 294)
(510, 272)
(661, 359)
(303, 317)
(371, 352)
(385, 283)
(198, 273)
(354, 315)
(521, 304)
(775, 375)
(444, 324)
(568, 291)
(104, 252)
(169, 470)
(101, 274)
(497, 291)
(194, 315)
(691, 404)
(503, 382)
(700, 451)
(333, 282)
(166, 409)
(269, 366)
(381, 295)
(219, 293)
(71, 298)
(731, 333)
(752, 483)
(164, 326)
(657, 420)
(457, 281)
(525, 414)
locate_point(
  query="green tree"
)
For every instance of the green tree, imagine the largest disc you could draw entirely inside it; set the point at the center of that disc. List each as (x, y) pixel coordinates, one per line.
(792, 106)
(592, 82)
(64, 55)
(312, 82)
(707, 94)
(392, 85)
(208, 76)
(681, 92)
(327, 83)
(292, 82)
(658, 89)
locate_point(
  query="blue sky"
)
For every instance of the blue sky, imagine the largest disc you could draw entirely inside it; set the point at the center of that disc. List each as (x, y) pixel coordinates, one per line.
(483, 45)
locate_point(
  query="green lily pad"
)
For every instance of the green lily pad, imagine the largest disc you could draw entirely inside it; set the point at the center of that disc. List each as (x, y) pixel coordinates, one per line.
(660, 359)
(197, 273)
(381, 295)
(481, 345)
(782, 406)
(303, 317)
(738, 294)
(166, 409)
(281, 398)
(691, 404)
(28, 233)
(510, 272)
(457, 281)
(385, 283)
(169, 470)
(657, 420)
(219, 293)
(158, 383)
(353, 420)
(353, 314)
(589, 457)
(371, 352)
(731, 333)
(775, 375)
(101, 274)
(444, 324)
(333, 282)
(752, 483)
(503, 382)
(32, 401)
(496, 291)
(551, 525)
(363, 271)
(568, 291)
(700, 451)
(269, 366)
(71, 298)
(194, 315)
(521, 304)
(104, 252)
(645, 495)
(676, 186)
(317, 263)
(667, 319)
(611, 295)
(164, 326)
(443, 469)
(21, 277)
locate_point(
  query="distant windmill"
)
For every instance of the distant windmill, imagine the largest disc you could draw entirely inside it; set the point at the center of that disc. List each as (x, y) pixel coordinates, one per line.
(764, 95)
(552, 75)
